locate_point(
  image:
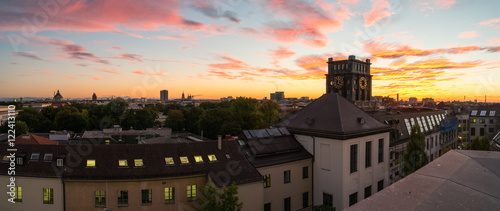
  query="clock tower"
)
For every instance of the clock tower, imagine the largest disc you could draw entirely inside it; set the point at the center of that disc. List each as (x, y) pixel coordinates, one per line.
(350, 78)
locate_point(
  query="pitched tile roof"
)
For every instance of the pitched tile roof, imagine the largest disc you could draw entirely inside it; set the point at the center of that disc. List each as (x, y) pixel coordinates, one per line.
(153, 156)
(458, 180)
(333, 116)
(34, 139)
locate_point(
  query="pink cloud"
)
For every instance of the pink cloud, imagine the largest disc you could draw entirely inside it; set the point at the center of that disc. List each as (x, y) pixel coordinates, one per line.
(468, 34)
(494, 41)
(175, 37)
(490, 22)
(399, 33)
(445, 4)
(107, 71)
(47, 73)
(280, 53)
(67, 76)
(140, 72)
(116, 48)
(95, 78)
(380, 10)
(132, 57)
(101, 41)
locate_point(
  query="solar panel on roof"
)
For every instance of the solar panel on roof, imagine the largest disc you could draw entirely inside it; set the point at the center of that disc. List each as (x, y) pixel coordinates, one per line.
(483, 113)
(247, 134)
(274, 132)
(259, 133)
(284, 131)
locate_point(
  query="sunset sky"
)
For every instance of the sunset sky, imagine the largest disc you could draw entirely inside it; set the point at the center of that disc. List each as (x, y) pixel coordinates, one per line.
(445, 49)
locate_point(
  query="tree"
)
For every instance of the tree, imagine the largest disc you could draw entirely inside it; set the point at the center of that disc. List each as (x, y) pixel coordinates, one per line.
(69, 119)
(192, 116)
(480, 144)
(270, 111)
(117, 108)
(246, 112)
(20, 127)
(175, 120)
(212, 120)
(445, 150)
(414, 157)
(35, 120)
(215, 200)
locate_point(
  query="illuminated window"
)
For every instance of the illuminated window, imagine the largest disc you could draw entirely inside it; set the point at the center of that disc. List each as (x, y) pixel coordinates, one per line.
(122, 163)
(48, 196)
(122, 198)
(19, 194)
(60, 162)
(170, 195)
(138, 162)
(47, 157)
(5, 159)
(212, 158)
(169, 161)
(90, 163)
(191, 192)
(267, 180)
(184, 160)
(198, 159)
(35, 156)
(147, 196)
(100, 198)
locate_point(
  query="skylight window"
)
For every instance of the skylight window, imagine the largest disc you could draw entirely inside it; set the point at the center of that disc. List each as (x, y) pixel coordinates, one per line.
(5, 159)
(169, 161)
(408, 126)
(483, 113)
(492, 113)
(35, 156)
(122, 163)
(198, 159)
(47, 157)
(90, 163)
(473, 113)
(241, 142)
(212, 158)
(184, 160)
(138, 162)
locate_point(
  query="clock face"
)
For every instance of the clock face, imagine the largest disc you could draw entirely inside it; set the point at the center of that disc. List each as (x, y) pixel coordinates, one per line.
(362, 83)
(338, 82)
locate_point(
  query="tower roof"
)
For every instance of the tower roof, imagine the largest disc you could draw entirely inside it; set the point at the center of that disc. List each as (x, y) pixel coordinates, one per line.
(333, 116)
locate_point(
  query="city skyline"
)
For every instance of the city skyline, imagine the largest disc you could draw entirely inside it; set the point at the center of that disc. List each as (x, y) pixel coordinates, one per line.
(445, 49)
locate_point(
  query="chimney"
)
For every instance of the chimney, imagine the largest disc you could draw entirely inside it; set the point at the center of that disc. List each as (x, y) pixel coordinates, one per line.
(228, 137)
(219, 138)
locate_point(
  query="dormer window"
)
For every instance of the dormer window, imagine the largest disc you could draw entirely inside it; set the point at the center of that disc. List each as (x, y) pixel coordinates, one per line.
(19, 161)
(122, 163)
(60, 162)
(198, 159)
(169, 161)
(212, 158)
(90, 163)
(35, 156)
(138, 163)
(47, 157)
(5, 159)
(184, 160)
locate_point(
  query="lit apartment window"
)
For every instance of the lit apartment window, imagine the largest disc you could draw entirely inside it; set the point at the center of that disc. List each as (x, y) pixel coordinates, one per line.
(191, 192)
(5, 159)
(381, 150)
(305, 172)
(267, 180)
(368, 154)
(47, 157)
(353, 199)
(305, 199)
(354, 158)
(91, 163)
(287, 204)
(138, 163)
(122, 163)
(327, 199)
(184, 160)
(286, 176)
(100, 198)
(19, 194)
(198, 159)
(147, 196)
(169, 161)
(60, 162)
(35, 156)
(122, 198)
(20, 161)
(48, 196)
(212, 158)
(368, 191)
(170, 195)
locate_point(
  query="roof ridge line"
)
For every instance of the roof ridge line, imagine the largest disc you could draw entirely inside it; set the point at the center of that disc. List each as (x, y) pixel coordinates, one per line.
(340, 114)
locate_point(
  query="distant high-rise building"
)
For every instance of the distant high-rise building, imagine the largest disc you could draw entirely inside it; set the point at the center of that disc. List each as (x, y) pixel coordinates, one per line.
(164, 95)
(277, 96)
(183, 96)
(94, 97)
(413, 100)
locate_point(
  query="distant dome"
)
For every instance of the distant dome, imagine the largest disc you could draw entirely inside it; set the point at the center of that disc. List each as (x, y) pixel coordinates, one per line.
(58, 97)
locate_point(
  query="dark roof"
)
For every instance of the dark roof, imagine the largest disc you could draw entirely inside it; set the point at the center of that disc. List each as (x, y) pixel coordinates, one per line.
(332, 115)
(153, 156)
(273, 150)
(458, 180)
